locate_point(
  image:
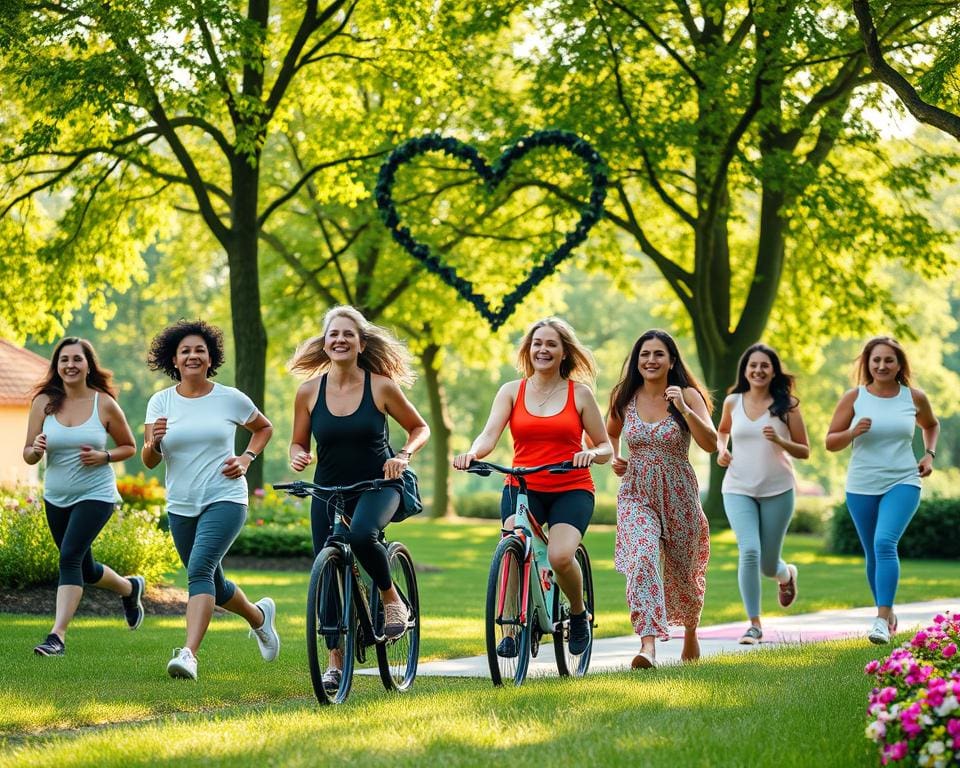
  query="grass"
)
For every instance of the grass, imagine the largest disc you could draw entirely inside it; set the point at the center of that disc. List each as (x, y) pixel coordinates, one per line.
(241, 706)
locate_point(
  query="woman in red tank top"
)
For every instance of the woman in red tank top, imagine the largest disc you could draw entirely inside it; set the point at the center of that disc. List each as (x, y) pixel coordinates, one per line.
(548, 411)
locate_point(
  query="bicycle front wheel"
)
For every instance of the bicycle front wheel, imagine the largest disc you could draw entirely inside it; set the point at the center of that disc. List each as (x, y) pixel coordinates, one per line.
(331, 627)
(398, 658)
(508, 638)
(568, 663)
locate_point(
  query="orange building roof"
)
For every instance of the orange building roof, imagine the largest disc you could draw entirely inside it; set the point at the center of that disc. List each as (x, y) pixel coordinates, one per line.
(20, 371)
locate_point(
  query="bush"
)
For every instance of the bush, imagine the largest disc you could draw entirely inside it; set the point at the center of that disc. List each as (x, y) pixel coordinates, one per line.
(272, 540)
(130, 543)
(811, 514)
(269, 506)
(931, 534)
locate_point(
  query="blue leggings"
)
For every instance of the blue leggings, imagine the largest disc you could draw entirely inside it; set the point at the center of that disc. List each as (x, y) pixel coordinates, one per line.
(880, 522)
(759, 525)
(202, 542)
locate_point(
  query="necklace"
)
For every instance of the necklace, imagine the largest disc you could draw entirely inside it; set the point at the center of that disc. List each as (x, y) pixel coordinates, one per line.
(549, 394)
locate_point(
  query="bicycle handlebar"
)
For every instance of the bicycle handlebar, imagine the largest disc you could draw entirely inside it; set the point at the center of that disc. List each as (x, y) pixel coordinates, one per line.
(304, 488)
(484, 468)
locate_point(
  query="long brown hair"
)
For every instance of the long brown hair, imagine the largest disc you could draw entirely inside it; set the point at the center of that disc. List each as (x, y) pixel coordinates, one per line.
(98, 378)
(578, 363)
(383, 353)
(863, 361)
(678, 375)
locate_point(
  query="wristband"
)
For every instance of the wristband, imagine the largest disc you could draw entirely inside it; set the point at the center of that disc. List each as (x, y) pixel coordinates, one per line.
(405, 454)
(933, 453)
(109, 458)
(251, 454)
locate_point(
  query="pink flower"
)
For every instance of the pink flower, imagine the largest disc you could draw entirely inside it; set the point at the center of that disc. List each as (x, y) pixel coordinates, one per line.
(949, 651)
(872, 667)
(895, 751)
(259, 493)
(887, 695)
(919, 639)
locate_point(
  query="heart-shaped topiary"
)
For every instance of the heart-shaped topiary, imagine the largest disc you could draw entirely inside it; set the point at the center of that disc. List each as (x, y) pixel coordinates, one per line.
(590, 214)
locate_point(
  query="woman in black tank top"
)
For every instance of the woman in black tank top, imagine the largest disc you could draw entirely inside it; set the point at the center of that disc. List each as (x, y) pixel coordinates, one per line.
(361, 367)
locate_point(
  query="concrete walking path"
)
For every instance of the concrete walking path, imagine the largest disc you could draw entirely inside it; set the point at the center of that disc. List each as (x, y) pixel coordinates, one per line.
(615, 653)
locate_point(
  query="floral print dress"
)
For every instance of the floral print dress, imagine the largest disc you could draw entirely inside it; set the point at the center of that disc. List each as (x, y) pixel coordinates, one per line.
(663, 539)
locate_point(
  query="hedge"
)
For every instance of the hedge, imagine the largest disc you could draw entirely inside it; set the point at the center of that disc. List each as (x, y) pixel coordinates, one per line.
(130, 543)
(933, 534)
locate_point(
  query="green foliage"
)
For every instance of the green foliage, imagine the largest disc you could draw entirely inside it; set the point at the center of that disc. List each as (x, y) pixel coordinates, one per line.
(931, 534)
(272, 540)
(131, 542)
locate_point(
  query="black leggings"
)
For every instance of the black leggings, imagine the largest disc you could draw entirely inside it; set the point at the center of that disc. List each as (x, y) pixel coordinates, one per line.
(371, 511)
(74, 529)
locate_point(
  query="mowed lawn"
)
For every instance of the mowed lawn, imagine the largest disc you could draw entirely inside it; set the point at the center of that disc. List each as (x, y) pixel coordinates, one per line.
(776, 708)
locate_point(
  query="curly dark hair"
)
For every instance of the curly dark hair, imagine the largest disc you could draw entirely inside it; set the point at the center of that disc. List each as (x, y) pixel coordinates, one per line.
(163, 348)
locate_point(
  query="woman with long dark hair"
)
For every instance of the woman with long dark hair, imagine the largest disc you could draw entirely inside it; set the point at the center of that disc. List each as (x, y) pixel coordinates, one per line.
(762, 415)
(73, 412)
(657, 407)
(356, 370)
(879, 418)
(191, 427)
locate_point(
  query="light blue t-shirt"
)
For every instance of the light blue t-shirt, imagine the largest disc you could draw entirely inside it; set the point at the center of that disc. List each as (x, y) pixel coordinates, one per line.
(883, 456)
(67, 481)
(199, 439)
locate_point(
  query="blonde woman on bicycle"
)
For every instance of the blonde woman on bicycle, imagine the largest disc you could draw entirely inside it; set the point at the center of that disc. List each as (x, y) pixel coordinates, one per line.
(549, 410)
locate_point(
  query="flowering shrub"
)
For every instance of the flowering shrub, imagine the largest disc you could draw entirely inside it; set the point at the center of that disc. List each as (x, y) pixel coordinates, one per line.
(270, 506)
(131, 542)
(140, 491)
(914, 710)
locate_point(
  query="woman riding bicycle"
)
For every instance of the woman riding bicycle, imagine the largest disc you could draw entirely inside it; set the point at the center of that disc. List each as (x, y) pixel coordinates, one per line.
(548, 412)
(345, 408)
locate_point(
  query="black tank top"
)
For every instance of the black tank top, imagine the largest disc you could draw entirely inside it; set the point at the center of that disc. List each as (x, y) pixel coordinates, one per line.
(349, 448)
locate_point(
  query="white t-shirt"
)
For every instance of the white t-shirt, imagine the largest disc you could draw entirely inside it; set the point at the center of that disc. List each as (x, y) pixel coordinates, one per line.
(199, 439)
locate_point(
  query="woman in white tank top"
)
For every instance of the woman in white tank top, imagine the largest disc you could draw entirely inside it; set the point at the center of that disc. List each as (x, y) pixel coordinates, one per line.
(763, 417)
(72, 413)
(879, 418)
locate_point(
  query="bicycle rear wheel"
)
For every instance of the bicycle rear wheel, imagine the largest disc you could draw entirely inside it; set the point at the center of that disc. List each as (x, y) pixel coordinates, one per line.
(568, 663)
(331, 626)
(398, 658)
(508, 640)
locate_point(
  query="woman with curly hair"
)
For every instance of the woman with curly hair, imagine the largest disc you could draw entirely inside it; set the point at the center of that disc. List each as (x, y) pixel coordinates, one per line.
(191, 427)
(763, 417)
(356, 370)
(657, 407)
(549, 411)
(72, 414)
(879, 418)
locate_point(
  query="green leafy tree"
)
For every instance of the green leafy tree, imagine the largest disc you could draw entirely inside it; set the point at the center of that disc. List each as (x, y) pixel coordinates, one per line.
(741, 159)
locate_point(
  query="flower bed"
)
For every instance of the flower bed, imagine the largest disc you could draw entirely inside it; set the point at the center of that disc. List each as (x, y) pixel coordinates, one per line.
(914, 712)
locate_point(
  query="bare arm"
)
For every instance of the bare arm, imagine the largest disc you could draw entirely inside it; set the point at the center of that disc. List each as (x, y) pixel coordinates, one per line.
(929, 427)
(300, 456)
(402, 411)
(693, 408)
(723, 433)
(614, 429)
(262, 431)
(840, 434)
(797, 445)
(600, 449)
(496, 422)
(119, 430)
(151, 454)
(36, 442)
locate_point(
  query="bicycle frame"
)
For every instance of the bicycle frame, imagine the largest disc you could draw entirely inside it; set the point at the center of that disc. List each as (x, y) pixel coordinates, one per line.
(534, 557)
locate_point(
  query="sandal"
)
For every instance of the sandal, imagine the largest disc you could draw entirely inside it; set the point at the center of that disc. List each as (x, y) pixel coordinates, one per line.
(752, 636)
(643, 660)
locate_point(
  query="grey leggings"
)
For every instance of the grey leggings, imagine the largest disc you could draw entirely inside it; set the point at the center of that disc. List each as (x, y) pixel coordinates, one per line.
(73, 529)
(202, 542)
(759, 525)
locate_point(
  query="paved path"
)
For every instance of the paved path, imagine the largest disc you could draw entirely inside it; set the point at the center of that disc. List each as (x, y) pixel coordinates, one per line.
(615, 653)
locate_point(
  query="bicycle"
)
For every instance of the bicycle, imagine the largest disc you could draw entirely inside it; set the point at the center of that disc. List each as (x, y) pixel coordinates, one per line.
(525, 608)
(341, 616)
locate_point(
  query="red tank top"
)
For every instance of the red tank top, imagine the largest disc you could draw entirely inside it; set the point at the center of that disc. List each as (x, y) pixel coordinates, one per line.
(548, 440)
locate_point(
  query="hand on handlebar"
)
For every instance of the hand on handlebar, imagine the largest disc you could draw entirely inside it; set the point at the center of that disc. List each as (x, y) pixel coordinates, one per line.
(464, 460)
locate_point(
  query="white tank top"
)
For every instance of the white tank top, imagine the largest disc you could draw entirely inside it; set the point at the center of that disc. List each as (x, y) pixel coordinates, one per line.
(883, 457)
(66, 480)
(759, 468)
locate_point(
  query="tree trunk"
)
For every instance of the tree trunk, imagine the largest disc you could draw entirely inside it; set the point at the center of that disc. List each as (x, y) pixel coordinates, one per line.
(249, 334)
(440, 431)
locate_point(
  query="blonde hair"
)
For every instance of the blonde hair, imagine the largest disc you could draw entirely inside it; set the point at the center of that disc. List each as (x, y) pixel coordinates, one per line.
(383, 353)
(577, 364)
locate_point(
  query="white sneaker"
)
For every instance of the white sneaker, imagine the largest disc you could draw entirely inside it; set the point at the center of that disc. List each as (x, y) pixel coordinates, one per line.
(183, 664)
(267, 637)
(880, 632)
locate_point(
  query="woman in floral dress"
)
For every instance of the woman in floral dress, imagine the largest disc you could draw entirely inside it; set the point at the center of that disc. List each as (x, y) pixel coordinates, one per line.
(663, 540)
